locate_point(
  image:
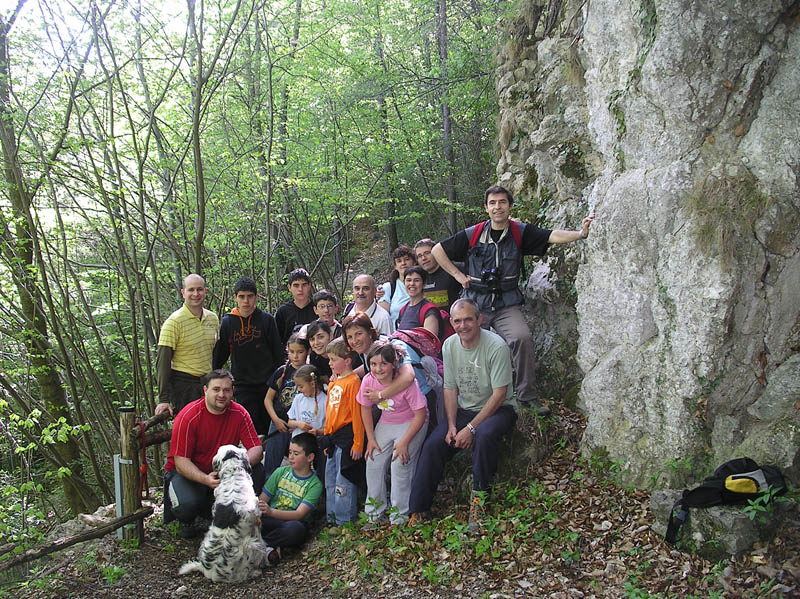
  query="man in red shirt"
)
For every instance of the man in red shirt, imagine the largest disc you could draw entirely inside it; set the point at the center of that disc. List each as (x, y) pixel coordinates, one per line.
(199, 430)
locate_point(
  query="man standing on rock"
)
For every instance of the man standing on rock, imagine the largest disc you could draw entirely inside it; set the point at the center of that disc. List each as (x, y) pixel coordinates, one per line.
(479, 405)
(184, 348)
(493, 252)
(364, 291)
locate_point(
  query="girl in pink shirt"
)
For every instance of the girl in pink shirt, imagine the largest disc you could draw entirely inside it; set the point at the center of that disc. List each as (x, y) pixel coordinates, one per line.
(395, 441)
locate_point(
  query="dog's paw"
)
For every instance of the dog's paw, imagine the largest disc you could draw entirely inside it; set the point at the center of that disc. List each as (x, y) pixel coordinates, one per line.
(189, 567)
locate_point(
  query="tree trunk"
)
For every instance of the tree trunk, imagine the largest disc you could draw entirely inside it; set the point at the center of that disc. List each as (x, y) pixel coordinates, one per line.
(447, 143)
(80, 497)
(390, 210)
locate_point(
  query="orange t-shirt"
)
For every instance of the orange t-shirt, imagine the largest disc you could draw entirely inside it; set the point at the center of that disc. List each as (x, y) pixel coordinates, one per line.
(342, 408)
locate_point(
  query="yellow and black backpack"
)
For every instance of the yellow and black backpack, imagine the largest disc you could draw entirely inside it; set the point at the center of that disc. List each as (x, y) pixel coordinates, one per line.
(737, 481)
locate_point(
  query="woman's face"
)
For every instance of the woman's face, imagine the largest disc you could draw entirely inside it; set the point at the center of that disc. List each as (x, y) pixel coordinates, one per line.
(402, 263)
(359, 339)
(319, 342)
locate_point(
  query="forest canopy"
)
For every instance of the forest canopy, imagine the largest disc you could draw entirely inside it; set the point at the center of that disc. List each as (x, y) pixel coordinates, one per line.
(144, 139)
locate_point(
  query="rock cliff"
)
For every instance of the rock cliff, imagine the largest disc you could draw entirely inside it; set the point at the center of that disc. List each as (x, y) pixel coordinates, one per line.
(678, 123)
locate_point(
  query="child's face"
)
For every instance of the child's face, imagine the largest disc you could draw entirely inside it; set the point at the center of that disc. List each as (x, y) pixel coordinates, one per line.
(306, 387)
(300, 291)
(381, 369)
(298, 354)
(326, 310)
(319, 342)
(298, 460)
(338, 365)
(246, 302)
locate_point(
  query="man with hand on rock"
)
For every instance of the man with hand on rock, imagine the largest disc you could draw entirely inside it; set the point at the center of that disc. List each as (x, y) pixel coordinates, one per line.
(493, 252)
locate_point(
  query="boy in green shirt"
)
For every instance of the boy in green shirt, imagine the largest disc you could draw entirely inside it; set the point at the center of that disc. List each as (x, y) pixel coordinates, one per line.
(289, 498)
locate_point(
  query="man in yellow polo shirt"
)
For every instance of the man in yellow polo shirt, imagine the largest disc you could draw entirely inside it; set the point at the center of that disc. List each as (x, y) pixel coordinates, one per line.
(184, 348)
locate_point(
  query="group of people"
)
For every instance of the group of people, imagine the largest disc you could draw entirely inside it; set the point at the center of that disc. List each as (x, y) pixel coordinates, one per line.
(348, 402)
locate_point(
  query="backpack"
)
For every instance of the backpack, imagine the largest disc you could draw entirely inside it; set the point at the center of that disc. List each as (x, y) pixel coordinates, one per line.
(512, 224)
(421, 341)
(736, 481)
(428, 346)
(445, 328)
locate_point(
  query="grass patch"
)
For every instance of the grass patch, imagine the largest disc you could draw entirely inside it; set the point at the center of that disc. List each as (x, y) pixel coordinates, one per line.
(724, 207)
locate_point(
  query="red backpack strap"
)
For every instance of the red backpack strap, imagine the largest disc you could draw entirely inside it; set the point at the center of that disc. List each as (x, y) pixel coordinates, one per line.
(423, 311)
(515, 232)
(476, 233)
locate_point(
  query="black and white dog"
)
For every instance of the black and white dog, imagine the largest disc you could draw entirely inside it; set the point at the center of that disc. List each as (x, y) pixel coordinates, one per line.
(232, 550)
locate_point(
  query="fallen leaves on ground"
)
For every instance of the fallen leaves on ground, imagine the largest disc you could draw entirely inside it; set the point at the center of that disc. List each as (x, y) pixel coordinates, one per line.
(563, 529)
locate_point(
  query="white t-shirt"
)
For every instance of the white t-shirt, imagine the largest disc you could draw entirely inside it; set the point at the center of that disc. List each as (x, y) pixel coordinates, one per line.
(397, 301)
(308, 410)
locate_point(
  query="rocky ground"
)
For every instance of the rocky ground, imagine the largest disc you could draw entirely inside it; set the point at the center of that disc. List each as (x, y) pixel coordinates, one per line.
(563, 529)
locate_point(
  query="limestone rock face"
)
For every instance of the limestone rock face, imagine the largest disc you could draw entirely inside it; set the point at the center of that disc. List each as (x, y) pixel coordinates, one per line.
(678, 123)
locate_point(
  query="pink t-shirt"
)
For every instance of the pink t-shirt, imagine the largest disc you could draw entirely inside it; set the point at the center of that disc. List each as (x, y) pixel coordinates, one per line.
(398, 409)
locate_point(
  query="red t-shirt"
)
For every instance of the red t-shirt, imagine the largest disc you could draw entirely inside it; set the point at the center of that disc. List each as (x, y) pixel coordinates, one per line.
(197, 434)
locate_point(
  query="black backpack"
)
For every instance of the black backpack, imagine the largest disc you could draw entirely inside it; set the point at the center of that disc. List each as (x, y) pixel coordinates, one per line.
(737, 481)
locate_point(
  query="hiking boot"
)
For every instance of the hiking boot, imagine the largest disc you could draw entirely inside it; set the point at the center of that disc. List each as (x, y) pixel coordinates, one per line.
(536, 407)
(418, 518)
(273, 556)
(477, 510)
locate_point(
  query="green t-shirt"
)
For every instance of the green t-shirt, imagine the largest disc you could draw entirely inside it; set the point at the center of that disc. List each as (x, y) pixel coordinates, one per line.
(286, 491)
(476, 372)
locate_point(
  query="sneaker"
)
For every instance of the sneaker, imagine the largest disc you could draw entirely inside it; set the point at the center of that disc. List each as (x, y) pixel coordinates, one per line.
(371, 525)
(477, 511)
(187, 530)
(418, 518)
(273, 556)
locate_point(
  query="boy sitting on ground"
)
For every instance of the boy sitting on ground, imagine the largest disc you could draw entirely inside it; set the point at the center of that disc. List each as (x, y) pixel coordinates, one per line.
(289, 498)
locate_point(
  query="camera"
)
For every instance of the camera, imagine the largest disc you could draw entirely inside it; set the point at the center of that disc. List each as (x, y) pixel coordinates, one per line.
(491, 277)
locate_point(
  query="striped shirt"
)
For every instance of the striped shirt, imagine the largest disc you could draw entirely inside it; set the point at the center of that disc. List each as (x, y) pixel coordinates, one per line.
(192, 340)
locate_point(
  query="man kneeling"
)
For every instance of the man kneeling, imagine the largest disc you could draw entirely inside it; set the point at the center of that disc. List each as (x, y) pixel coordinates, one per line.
(480, 407)
(200, 429)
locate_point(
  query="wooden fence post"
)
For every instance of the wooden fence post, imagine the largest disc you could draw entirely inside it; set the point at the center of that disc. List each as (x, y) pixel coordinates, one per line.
(129, 463)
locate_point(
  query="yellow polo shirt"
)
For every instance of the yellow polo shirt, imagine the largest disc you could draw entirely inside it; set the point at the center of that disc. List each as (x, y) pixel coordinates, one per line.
(192, 340)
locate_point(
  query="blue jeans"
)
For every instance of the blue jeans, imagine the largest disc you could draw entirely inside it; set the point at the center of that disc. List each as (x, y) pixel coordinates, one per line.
(341, 501)
(283, 533)
(436, 453)
(275, 449)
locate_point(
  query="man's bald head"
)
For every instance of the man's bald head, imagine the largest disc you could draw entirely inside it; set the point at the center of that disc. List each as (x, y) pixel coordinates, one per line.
(193, 280)
(364, 291)
(194, 293)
